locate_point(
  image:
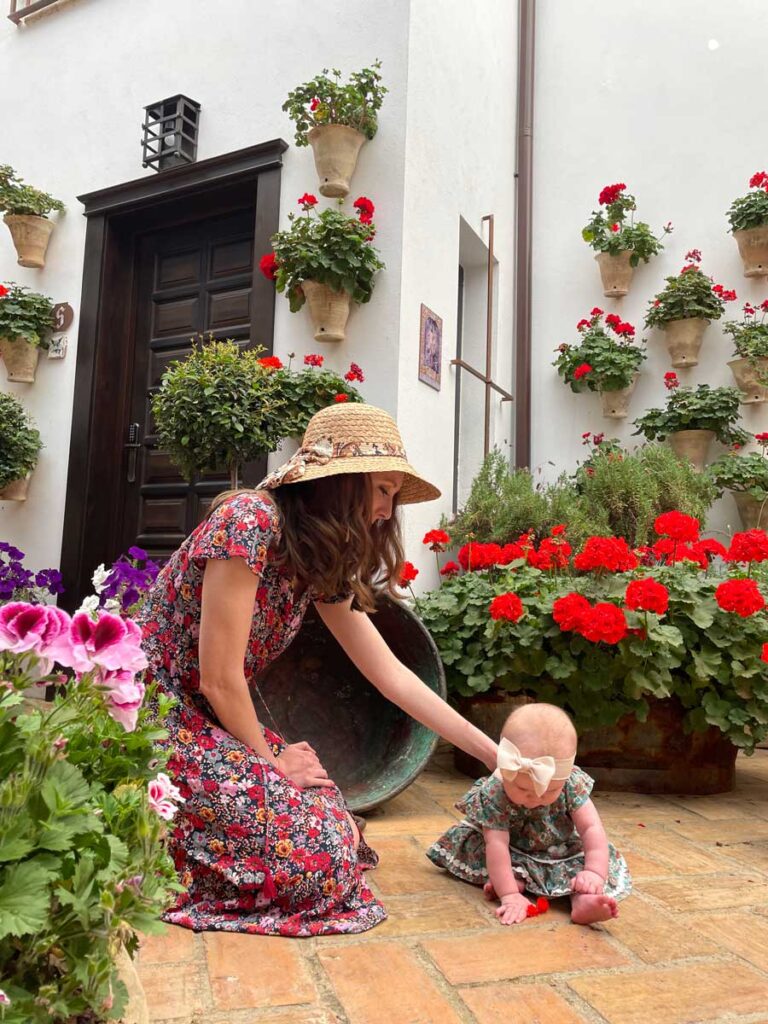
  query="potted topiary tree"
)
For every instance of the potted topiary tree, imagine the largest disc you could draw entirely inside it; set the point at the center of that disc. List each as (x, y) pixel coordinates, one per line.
(326, 259)
(750, 343)
(25, 322)
(748, 217)
(26, 214)
(620, 244)
(20, 446)
(746, 477)
(335, 119)
(692, 419)
(685, 308)
(604, 362)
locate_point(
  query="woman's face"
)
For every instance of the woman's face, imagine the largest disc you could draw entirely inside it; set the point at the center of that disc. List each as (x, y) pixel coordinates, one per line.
(384, 487)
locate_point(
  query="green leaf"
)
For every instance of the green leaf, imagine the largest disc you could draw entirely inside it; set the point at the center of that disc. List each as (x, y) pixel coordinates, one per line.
(24, 898)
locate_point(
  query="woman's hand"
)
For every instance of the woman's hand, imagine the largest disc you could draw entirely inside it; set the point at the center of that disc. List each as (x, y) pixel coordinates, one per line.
(301, 764)
(513, 909)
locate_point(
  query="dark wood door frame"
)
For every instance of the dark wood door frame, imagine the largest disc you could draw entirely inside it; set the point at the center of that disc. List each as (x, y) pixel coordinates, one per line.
(117, 216)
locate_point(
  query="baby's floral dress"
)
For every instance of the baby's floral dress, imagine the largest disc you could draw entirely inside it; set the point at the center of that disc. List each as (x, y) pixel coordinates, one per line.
(254, 852)
(545, 847)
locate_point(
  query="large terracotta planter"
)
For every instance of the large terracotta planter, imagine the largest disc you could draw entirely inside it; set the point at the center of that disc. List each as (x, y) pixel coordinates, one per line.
(329, 310)
(20, 358)
(616, 403)
(753, 249)
(136, 1010)
(684, 339)
(753, 513)
(692, 445)
(30, 235)
(336, 148)
(655, 756)
(750, 376)
(616, 273)
(16, 490)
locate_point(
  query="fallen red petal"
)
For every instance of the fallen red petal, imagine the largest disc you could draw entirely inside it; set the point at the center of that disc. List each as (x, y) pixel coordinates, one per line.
(531, 911)
(542, 904)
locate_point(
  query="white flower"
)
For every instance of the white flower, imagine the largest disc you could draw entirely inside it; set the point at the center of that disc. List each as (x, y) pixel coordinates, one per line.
(4, 1000)
(90, 606)
(162, 792)
(99, 578)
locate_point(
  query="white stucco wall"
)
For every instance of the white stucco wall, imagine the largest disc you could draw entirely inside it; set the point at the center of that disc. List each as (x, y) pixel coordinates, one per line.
(459, 163)
(80, 76)
(664, 97)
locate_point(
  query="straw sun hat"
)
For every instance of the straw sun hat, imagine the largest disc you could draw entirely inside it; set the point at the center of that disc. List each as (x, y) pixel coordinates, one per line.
(352, 438)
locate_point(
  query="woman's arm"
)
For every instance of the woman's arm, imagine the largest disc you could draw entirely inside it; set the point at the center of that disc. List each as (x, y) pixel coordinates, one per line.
(369, 652)
(229, 593)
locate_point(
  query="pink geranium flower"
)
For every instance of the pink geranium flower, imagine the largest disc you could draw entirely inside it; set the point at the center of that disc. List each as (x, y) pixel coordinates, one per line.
(111, 643)
(124, 697)
(162, 793)
(31, 627)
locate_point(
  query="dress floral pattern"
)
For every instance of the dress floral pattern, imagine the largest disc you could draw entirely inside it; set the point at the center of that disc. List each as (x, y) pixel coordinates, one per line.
(544, 845)
(254, 852)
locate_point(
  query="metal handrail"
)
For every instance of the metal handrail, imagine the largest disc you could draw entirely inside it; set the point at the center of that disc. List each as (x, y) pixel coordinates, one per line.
(21, 9)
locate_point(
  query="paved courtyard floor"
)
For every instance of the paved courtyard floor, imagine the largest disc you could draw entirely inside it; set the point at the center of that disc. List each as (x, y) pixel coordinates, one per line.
(690, 945)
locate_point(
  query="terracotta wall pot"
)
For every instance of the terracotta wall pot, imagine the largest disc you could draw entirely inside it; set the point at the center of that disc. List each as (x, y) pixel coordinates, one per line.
(748, 374)
(684, 339)
(753, 513)
(136, 1010)
(692, 445)
(16, 490)
(753, 249)
(616, 403)
(329, 310)
(655, 756)
(336, 148)
(616, 273)
(30, 236)
(20, 358)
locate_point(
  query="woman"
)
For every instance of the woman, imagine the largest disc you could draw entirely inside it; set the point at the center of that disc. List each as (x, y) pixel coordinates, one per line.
(263, 841)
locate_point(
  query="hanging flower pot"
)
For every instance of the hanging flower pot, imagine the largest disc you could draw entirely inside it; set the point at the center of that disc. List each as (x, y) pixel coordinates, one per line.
(753, 513)
(616, 403)
(751, 376)
(616, 273)
(30, 236)
(20, 357)
(748, 217)
(753, 249)
(329, 310)
(692, 445)
(684, 338)
(336, 148)
(16, 490)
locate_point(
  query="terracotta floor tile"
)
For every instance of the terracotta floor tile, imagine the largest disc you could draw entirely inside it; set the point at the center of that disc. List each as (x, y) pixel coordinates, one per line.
(654, 936)
(521, 950)
(519, 1004)
(430, 912)
(746, 935)
(256, 971)
(675, 995)
(726, 831)
(722, 806)
(176, 990)
(385, 984)
(645, 867)
(435, 823)
(173, 946)
(753, 855)
(681, 856)
(404, 870)
(716, 892)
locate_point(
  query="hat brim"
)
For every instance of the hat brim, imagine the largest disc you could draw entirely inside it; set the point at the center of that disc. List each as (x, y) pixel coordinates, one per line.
(413, 491)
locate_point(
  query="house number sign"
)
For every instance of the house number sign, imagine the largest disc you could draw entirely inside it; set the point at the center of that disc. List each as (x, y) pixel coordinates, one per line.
(63, 315)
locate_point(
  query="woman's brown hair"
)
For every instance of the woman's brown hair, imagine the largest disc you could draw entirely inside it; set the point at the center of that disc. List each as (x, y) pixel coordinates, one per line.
(327, 542)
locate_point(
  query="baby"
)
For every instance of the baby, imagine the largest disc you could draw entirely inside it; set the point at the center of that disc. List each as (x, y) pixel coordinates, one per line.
(532, 827)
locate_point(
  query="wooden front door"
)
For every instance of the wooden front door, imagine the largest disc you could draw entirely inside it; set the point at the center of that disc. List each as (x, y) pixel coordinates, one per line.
(191, 282)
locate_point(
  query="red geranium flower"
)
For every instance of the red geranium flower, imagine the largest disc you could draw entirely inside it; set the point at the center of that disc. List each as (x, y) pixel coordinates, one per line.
(613, 320)
(268, 266)
(740, 596)
(611, 193)
(582, 324)
(751, 546)
(450, 569)
(341, 398)
(558, 531)
(764, 305)
(582, 371)
(313, 360)
(4, 291)
(611, 553)
(711, 547)
(307, 201)
(670, 381)
(506, 606)
(438, 540)
(314, 104)
(624, 329)
(354, 373)
(762, 438)
(694, 254)
(365, 208)
(759, 180)
(569, 611)
(552, 554)
(604, 623)
(408, 574)
(764, 654)
(647, 595)
(270, 363)
(596, 311)
(678, 526)
(511, 553)
(479, 556)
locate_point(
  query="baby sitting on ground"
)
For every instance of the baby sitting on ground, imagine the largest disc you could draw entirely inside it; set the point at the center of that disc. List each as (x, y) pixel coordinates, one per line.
(532, 827)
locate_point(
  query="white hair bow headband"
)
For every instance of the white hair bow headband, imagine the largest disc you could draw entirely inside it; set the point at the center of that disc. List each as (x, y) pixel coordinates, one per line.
(542, 770)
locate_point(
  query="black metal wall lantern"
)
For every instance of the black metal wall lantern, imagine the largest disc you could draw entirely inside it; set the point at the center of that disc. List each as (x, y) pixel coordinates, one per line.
(170, 133)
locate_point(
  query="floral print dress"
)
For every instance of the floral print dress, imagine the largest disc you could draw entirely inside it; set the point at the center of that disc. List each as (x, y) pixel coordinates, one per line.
(544, 845)
(254, 852)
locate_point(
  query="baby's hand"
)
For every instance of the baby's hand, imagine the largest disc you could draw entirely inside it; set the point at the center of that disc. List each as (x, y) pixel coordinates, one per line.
(588, 882)
(513, 909)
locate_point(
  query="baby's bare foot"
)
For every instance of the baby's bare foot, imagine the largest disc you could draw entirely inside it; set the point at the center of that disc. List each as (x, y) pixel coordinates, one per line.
(588, 909)
(489, 892)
